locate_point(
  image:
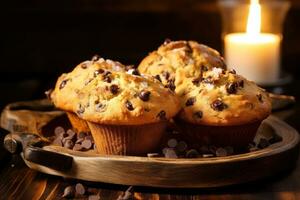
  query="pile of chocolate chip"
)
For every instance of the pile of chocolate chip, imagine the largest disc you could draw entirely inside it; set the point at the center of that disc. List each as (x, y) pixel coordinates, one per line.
(79, 191)
(76, 141)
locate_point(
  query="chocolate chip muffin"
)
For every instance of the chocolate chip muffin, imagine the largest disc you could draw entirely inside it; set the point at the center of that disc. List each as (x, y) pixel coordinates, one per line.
(174, 61)
(126, 113)
(223, 108)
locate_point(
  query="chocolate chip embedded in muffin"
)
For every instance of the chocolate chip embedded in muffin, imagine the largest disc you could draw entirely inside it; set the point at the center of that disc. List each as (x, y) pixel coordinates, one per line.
(106, 76)
(232, 71)
(100, 107)
(99, 71)
(95, 58)
(241, 83)
(231, 88)
(259, 97)
(63, 84)
(129, 105)
(166, 75)
(218, 105)
(157, 77)
(190, 101)
(208, 80)
(80, 110)
(162, 115)
(171, 84)
(83, 65)
(198, 115)
(144, 95)
(114, 89)
(204, 68)
(196, 81)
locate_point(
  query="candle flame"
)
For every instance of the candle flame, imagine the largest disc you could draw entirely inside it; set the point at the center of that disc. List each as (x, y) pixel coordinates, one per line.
(254, 18)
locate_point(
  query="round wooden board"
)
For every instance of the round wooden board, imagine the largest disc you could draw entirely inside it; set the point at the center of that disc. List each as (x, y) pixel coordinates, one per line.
(185, 173)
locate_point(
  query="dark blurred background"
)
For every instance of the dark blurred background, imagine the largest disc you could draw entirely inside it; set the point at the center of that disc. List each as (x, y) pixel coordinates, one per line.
(41, 39)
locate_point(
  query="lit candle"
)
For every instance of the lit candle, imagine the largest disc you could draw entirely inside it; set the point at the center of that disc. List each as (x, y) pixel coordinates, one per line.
(253, 54)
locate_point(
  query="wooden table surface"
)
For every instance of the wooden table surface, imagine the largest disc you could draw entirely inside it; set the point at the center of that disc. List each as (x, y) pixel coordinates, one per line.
(17, 181)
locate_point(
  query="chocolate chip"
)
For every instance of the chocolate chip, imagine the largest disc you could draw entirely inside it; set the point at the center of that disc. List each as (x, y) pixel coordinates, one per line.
(241, 83)
(106, 77)
(134, 72)
(69, 144)
(83, 65)
(144, 95)
(77, 147)
(190, 101)
(218, 105)
(86, 144)
(198, 115)
(80, 110)
(232, 71)
(69, 192)
(167, 41)
(114, 89)
(129, 105)
(263, 143)
(162, 115)
(172, 143)
(58, 131)
(80, 189)
(171, 84)
(192, 153)
(95, 58)
(204, 68)
(63, 84)
(196, 81)
(259, 97)
(208, 80)
(97, 72)
(94, 197)
(221, 152)
(231, 88)
(157, 77)
(166, 75)
(100, 107)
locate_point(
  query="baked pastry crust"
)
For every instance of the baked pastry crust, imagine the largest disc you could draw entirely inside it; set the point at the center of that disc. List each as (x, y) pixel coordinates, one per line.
(104, 92)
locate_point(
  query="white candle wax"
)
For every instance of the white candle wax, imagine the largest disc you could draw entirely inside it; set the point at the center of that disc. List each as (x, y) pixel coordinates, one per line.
(257, 57)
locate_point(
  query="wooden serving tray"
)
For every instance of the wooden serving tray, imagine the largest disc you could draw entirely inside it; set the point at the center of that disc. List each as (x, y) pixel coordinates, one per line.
(170, 173)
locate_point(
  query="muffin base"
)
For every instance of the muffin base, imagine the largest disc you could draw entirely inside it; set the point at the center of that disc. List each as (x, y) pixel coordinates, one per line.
(79, 124)
(238, 136)
(134, 140)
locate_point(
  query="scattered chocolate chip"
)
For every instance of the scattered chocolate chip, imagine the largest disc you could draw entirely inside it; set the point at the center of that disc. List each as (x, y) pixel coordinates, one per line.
(63, 84)
(196, 81)
(129, 105)
(231, 88)
(190, 101)
(232, 71)
(218, 105)
(198, 115)
(221, 152)
(80, 110)
(171, 84)
(263, 143)
(166, 75)
(241, 83)
(192, 153)
(87, 144)
(69, 144)
(69, 192)
(152, 155)
(83, 65)
(162, 115)
(167, 41)
(259, 97)
(144, 95)
(275, 138)
(172, 143)
(114, 89)
(80, 189)
(94, 197)
(157, 77)
(97, 72)
(100, 107)
(58, 131)
(95, 58)
(77, 147)
(48, 93)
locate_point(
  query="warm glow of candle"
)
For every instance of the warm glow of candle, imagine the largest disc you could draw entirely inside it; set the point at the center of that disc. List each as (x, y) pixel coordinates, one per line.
(253, 54)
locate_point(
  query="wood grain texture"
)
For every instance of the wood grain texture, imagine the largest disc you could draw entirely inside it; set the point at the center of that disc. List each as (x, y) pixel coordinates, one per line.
(184, 173)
